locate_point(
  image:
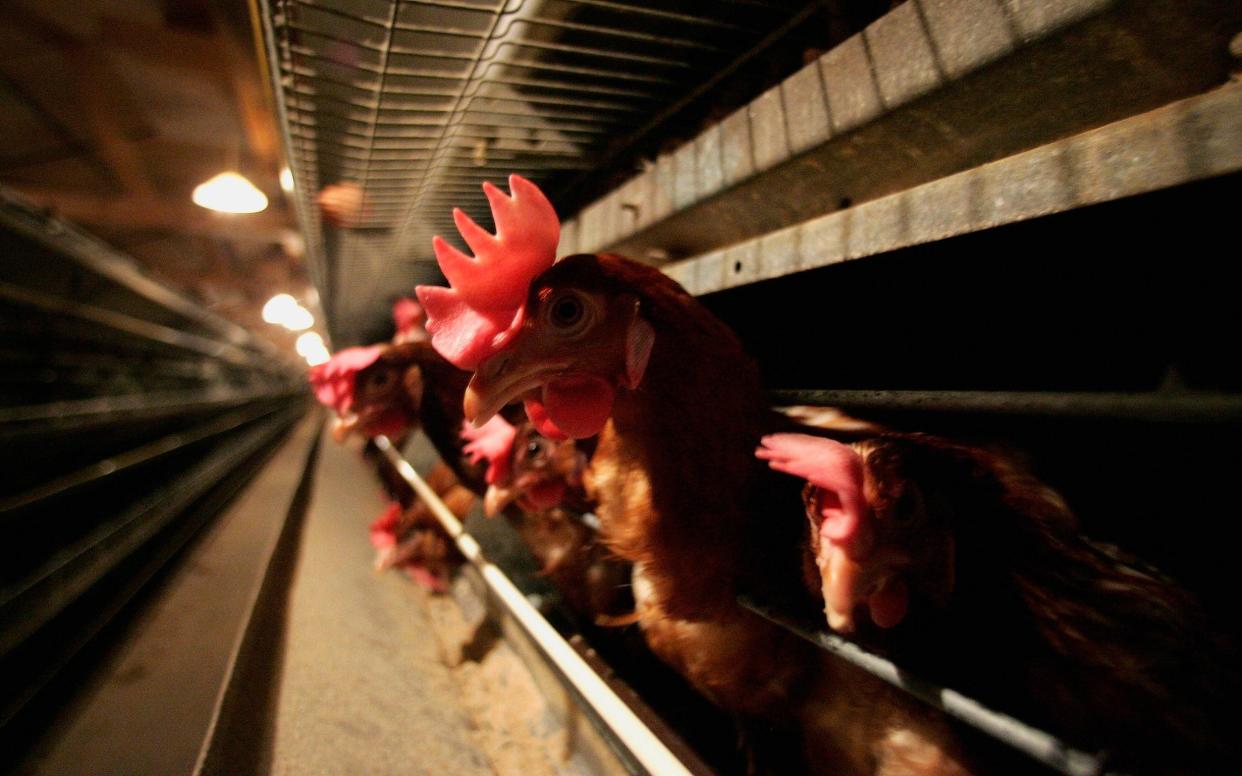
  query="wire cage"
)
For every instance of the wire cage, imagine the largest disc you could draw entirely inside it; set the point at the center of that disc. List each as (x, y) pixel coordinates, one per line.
(937, 138)
(996, 221)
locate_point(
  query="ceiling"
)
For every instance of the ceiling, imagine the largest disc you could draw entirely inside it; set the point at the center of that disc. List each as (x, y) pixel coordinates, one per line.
(414, 104)
(112, 112)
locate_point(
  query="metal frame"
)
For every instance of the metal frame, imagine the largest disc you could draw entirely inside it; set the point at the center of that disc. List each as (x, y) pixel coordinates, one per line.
(1031, 741)
(64, 415)
(417, 103)
(68, 241)
(638, 748)
(134, 457)
(72, 570)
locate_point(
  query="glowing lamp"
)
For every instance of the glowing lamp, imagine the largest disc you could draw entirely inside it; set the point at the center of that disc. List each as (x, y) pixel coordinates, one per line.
(229, 192)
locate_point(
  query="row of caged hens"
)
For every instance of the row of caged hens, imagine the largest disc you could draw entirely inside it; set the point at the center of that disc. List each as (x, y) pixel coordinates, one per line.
(642, 409)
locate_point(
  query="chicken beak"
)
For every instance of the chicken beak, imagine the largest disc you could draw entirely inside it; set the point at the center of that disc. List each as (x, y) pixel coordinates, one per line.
(840, 579)
(502, 379)
(497, 498)
(848, 582)
(343, 427)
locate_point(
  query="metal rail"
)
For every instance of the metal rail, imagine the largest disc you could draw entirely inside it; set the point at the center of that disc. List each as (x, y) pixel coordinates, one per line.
(92, 254)
(640, 749)
(137, 327)
(72, 570)
(1188, 407)
(1031, 741)
(131, 458)
(60, 415)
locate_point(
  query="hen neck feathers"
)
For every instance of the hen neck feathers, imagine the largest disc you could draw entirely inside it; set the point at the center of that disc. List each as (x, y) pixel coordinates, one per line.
(675, 465)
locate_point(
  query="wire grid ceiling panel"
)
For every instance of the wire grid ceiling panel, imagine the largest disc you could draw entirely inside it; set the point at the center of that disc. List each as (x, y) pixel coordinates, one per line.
(419, 102)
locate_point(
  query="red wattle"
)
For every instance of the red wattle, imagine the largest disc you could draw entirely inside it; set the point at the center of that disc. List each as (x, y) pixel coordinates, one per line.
(889, 604)
(544, 495)
(539, 419)
(579, 405)
(391, 423)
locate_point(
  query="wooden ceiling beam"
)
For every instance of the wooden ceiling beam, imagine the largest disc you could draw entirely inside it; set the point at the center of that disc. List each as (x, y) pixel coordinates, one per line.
(135, 213)
(96, 86)
(163, 46)
(221, 54)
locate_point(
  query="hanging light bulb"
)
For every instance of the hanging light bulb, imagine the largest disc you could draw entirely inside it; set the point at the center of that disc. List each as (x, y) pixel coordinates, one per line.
(278, 307)
(229, 192)
(286, 179)
(298, 319)
(310, 347)
(284, 310)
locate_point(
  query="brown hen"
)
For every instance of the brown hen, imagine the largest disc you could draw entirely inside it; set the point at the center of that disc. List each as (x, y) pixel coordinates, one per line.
(599, 344)
(980, 576)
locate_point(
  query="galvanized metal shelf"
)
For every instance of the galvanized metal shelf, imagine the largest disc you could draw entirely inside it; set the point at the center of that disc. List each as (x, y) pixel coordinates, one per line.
(1186, 141)
(639, 749)
(928, 90)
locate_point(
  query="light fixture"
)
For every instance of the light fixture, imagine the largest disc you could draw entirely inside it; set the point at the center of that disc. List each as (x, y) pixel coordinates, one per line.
(278, 307)
(284, 310)
(298, 319)
(310, 347)
(286, 179)
(229, 192)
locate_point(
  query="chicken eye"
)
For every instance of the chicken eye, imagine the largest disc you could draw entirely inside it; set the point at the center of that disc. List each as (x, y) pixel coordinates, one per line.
(568, 312)
(909, 507)
(380, 379)
(533, 449)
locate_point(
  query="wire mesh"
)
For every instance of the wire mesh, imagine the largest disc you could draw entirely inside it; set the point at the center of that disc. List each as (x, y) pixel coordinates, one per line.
(418, 102)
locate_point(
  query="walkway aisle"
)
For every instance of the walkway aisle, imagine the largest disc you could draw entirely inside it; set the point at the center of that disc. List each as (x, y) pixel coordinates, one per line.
(366, 685)
(363, 688)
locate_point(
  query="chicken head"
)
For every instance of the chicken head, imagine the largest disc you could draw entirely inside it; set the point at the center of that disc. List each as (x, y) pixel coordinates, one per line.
(872, 535)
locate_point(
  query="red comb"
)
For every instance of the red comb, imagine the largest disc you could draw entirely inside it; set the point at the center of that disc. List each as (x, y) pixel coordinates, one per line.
(476, 316)
(333, 380)
(493, 441)
(384, 527)
(826, 464)
(407, 314)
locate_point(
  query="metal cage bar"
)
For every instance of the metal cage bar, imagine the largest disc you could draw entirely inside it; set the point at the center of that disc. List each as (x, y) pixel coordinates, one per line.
(639, 749)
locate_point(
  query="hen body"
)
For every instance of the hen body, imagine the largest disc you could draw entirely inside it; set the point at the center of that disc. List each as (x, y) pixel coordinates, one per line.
(546, 483)
(431, 392)
(680, 495)
(1033, 617)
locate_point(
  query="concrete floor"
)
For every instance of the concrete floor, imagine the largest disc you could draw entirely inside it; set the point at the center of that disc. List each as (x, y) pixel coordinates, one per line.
(357, 671)
(145, 707)
(374, 679)
(364, 687)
